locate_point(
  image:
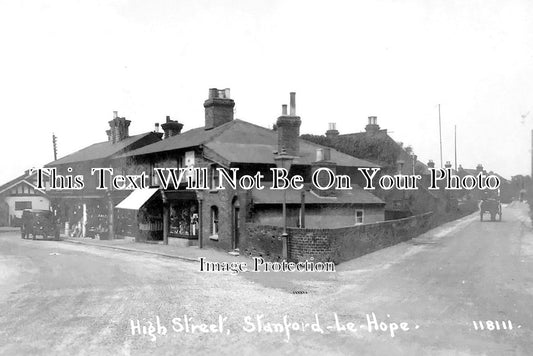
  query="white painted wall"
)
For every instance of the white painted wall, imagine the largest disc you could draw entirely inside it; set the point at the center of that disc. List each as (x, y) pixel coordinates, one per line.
(37, 202)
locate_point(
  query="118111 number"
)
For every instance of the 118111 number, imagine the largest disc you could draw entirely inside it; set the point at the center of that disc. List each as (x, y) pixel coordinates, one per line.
(492, 325)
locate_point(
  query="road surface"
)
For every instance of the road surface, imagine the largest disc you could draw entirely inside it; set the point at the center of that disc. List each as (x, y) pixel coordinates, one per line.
(58, 298)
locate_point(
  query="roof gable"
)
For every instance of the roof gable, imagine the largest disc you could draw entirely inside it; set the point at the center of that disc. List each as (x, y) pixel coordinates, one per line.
(27, 177)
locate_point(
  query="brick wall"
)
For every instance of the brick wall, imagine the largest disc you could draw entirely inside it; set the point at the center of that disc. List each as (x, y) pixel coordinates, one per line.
(338, 244)
(263, 241)
(346, 243)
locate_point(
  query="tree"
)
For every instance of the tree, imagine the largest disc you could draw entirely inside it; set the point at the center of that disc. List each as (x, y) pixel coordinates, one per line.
(378, 149)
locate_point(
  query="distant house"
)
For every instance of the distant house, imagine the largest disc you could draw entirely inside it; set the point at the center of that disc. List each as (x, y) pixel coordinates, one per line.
(506, 191)
(376, 145)
(19, 194)
(214, 217)
(406, 161)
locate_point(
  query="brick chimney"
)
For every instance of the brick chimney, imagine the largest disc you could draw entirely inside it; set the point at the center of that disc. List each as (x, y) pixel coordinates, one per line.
(332, 130)
(372, 126)
(479, 168)
(448, 164)
(218, 108)
(118, 128)
(171, 127)
(431, 164)
(288, 128)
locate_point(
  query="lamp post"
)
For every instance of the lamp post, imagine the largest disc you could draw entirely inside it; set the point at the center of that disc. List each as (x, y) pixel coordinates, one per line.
(283, 160)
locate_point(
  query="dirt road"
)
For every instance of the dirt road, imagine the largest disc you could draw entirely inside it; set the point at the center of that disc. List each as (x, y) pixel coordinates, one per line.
(61, 298)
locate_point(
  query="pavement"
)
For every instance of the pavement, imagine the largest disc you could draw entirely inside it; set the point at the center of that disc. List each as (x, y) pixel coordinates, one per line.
(190, 253)
(465, 288)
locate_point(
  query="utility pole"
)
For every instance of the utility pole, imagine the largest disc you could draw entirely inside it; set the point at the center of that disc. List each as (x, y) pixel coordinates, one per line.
(455, 144)
(440, 139)
(54, 143)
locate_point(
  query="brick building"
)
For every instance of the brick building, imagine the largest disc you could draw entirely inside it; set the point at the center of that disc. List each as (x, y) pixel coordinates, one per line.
(89, 211)
(19, 194)
(214, 217)
(399, 203)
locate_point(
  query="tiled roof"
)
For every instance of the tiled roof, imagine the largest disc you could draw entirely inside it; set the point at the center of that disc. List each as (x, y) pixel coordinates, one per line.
(22, 178)
(473, 172)
(242, 142)
(99, 150)
(354, 196)
(12, 181)
(187, 139)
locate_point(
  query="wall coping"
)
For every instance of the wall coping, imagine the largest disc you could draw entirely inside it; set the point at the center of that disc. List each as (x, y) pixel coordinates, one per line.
(343, 227)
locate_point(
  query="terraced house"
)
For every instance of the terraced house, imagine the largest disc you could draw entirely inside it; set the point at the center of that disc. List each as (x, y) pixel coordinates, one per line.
(89, 211)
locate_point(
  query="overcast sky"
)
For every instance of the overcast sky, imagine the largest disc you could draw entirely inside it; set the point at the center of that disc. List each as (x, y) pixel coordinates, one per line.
(66, 65)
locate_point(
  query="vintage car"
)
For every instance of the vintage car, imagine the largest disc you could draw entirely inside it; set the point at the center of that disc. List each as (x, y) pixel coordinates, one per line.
(39, 222)
(491, 206)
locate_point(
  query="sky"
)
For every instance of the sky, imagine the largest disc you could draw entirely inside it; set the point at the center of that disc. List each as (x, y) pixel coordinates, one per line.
(65, 66)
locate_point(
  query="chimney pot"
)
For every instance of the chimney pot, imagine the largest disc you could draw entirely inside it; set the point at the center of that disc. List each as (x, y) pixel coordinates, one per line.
(171, 127)
(293, 104)
(332, 130)
(218, 108)
(288, 128)
(372, 126)
(118, 128)
(284, 110)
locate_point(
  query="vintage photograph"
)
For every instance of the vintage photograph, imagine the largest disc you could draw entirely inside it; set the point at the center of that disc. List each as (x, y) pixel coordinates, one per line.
(264, 177)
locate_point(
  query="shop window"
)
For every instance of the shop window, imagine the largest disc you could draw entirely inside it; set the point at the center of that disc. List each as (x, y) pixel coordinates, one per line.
(21, 205)
(184, 218)
(214, 221)
(359, 217)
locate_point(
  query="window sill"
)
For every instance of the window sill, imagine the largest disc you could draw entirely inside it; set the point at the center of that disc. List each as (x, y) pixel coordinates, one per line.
(213, 237)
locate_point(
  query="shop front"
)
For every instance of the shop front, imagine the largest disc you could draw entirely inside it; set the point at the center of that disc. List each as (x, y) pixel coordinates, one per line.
(183, 215)
(140, 215)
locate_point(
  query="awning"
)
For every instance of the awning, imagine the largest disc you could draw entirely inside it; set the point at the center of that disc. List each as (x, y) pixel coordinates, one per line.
(137, 198)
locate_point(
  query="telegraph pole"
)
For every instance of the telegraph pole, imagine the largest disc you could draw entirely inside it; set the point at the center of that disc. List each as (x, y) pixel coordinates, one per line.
(54, 143)
(440, 139)
(455, 144)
